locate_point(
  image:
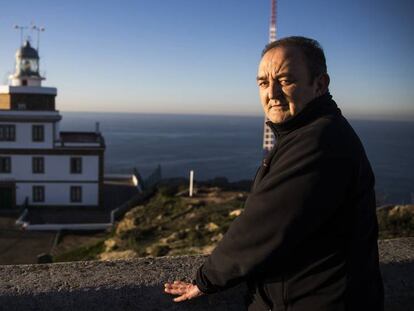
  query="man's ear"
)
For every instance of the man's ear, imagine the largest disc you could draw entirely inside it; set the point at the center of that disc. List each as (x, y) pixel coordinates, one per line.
(322, 84)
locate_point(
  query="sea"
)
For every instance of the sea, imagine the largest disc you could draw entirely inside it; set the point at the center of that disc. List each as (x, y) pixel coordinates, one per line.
(231, 147)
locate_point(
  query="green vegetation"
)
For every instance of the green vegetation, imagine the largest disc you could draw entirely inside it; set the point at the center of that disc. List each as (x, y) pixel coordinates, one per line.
(171, 223)
(396, 221)
(82, 253)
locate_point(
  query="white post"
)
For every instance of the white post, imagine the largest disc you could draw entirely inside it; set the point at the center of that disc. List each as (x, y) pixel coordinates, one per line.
(191, 182)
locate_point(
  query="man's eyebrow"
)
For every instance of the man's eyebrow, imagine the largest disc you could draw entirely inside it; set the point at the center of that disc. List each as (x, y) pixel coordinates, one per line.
(278, 76)
(282, 75)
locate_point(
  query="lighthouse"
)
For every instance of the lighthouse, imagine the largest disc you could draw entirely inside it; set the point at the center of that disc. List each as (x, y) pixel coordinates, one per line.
(40, 166)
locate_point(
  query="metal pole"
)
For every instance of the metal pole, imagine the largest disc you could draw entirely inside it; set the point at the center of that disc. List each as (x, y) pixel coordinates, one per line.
(191, 182)
(21, 28)
(39, 30)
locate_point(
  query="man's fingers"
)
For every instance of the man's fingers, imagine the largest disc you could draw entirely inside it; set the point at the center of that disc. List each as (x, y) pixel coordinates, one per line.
(185, 290)
(175, 291)
(181, 298)
(176, 288)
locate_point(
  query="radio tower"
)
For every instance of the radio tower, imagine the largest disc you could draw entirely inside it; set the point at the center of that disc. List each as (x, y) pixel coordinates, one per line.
(268, 137)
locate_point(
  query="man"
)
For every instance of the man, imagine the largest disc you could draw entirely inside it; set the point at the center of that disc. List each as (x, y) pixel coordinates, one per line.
(307, 239)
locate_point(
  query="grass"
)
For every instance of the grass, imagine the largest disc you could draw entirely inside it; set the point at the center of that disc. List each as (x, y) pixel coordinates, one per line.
(397, 223)
(81, 253)
(168, 224)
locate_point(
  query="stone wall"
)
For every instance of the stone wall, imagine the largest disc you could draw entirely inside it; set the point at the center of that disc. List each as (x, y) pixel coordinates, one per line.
(138, 284)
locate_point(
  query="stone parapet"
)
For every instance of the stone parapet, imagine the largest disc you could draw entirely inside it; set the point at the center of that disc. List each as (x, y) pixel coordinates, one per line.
(138, 284)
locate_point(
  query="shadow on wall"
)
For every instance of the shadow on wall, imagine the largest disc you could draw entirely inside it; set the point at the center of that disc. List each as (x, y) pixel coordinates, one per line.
(398, 285)
(122, 298)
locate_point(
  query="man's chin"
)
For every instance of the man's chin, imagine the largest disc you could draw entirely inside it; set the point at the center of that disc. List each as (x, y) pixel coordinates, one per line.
(279, 118)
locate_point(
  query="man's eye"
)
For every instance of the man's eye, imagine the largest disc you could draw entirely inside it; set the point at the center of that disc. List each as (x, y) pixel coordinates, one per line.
(263, 83)
(285, 82)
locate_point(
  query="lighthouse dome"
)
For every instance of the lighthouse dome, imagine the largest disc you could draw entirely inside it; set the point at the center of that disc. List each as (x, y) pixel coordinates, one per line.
(27, 51)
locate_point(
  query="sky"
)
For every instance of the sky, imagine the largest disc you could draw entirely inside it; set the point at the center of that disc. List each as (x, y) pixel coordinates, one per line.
(201, 57)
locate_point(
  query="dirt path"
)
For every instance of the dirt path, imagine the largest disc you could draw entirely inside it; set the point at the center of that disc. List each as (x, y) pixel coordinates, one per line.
(21, 247)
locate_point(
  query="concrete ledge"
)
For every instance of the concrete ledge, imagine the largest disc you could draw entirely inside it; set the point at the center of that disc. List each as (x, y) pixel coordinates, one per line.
(138, 284)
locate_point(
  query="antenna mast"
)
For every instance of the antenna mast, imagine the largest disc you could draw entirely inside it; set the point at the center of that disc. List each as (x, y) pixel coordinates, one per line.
(39, 30)
(268, 137)
(21, 28)
(272, 28)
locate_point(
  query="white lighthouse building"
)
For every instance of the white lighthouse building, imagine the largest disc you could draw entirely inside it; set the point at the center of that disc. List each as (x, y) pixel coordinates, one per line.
(41, 166)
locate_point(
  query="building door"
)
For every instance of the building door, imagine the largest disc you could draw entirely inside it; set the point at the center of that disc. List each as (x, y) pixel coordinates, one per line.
(6, 196)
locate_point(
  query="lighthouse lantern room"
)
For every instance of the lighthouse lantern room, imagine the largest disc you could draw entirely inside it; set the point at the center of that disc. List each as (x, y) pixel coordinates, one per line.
(27, 67)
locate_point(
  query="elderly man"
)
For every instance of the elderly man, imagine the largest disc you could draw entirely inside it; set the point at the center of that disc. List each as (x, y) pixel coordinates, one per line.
(307, 239)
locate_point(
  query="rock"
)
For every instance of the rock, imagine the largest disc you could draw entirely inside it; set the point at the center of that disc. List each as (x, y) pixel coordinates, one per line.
(241, 196)
(203, 250)
(401, 210)
(126, 224)
(173, 237)
(44, 258)
(158, 250)
(236, 212)
(110, 245)
(207, 249)
(118, 255)
(214, 194)
(211, 227)
(190, 215)
(217, 237)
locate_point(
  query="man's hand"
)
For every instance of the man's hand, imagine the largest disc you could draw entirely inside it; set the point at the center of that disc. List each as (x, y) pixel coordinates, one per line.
(185, 290)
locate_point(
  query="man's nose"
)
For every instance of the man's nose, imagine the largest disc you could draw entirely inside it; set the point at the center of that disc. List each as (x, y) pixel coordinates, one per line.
(275, 90)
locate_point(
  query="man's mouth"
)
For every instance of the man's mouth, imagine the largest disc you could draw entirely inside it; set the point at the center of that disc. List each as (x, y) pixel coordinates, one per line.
(277, 106)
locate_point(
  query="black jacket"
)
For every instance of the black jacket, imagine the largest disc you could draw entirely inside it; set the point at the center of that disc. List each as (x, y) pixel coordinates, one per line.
(307, 238)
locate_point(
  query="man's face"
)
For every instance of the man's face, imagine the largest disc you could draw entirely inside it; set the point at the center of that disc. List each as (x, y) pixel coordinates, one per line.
(284, 83)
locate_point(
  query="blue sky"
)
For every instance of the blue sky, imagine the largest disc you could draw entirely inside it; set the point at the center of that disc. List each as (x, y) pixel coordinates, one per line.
(201, 57)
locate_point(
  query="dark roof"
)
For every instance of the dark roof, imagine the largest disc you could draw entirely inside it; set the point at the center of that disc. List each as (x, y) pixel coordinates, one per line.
(117, 194)
(26, 51)
(59, 215)
(81, 137)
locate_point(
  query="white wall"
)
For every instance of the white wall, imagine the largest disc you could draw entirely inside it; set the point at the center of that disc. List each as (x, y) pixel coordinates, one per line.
(24, 136)
(57, 168)
(57, 130)
(57, 194)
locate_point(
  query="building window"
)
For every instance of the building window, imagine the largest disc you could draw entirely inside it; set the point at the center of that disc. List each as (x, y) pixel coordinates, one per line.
(21, 106)
(38, 165)
(38, 133)
(5, 164)
(75, 194)
(38, 193)
(7, 132)
(76, 165)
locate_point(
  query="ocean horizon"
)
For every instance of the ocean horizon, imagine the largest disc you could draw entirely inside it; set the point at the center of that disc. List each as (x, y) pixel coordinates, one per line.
(231, 146)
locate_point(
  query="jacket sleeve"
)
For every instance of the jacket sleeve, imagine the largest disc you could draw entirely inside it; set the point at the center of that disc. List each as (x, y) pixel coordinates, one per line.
(301, 192)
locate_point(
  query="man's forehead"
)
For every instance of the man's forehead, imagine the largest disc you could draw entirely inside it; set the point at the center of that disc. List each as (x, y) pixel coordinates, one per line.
(280, 59)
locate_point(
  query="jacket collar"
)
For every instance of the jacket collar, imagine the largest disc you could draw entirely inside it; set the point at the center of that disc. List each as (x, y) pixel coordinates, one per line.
(319, 106)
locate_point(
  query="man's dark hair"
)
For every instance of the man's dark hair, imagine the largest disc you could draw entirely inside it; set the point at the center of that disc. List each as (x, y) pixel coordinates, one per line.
(311, 49)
